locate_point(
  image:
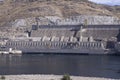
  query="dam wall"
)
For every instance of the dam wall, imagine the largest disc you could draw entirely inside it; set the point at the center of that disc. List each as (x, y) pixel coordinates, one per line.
(50, 33)
(100, 34)
(96, 31)
(47, 44)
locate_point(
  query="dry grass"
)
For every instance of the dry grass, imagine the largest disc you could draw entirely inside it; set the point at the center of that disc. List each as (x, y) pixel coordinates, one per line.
(10, 11)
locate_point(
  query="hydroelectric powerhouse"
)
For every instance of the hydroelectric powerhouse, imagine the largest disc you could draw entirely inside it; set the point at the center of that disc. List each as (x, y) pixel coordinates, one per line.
(64, 39)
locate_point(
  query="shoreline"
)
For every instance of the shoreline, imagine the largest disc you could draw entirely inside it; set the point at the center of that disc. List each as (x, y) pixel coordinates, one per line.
(49, 77)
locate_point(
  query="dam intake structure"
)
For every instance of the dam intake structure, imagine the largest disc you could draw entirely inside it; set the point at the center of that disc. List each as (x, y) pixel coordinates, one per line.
(72, 38)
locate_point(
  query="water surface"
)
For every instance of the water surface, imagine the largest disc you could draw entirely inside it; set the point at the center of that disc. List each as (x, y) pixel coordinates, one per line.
(79, 65)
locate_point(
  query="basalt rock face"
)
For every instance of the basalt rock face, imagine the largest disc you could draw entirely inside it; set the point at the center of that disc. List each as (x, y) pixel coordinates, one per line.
(10, 11)
(72, 20)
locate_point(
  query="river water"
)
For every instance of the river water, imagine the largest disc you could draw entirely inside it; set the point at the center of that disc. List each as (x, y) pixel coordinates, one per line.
(107, 66)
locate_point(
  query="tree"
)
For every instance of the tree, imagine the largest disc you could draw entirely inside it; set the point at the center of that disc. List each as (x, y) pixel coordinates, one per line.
(2, 77)
(66, 77)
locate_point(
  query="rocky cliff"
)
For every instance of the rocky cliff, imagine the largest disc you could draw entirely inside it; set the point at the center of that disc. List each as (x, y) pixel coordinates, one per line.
(72, 20)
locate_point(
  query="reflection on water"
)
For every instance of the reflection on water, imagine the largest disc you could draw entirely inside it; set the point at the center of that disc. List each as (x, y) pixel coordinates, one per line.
(82, 65)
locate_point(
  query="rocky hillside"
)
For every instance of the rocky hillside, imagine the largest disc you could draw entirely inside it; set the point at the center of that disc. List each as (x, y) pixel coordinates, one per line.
(22, 9)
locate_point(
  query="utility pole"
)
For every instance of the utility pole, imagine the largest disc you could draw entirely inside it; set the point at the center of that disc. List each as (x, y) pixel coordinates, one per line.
(81, 29)
(37, 22)
(81, 37)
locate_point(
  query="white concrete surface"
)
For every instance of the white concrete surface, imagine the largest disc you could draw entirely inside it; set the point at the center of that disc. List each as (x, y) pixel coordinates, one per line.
(50, 77)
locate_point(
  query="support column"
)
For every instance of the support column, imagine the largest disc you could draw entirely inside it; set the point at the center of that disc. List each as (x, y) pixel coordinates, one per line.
(81, 37)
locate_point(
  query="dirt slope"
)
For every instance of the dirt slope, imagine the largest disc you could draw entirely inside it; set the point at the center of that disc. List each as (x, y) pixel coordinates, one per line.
(9, 11)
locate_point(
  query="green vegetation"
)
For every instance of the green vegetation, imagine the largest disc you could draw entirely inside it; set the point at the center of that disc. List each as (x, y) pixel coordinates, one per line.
(66, 77)
(2, 77)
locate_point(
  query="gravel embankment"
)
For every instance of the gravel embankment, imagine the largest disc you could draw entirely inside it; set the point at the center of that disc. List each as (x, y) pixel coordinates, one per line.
(49, 77)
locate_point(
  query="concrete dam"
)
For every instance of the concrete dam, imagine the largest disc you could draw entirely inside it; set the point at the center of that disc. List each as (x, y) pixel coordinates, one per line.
(72, 38)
